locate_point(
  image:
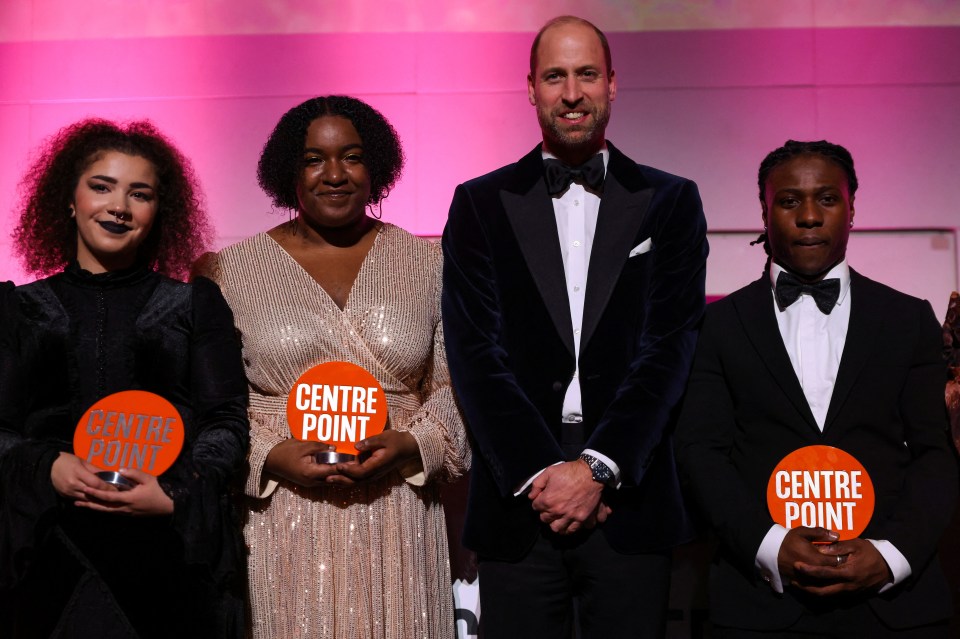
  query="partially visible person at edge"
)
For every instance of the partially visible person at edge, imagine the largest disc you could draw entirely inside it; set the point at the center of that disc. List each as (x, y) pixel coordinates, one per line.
(573, 285)
(350, 550)
(5, 288)
(813, 353)
(111, 214)
(951, 353)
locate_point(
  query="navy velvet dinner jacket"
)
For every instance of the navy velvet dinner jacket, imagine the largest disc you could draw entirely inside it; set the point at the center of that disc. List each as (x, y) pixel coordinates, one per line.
(510, 344)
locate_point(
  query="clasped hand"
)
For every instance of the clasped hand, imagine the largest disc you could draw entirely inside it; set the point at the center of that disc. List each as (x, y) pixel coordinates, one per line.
(831, 568)
(76, 479)
(295, 460)
(567, 498)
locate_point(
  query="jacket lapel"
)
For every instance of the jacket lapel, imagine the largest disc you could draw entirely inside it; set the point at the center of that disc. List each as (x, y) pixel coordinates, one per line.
(623, 208)
(862, 333)
(530, 211)
(760, 325)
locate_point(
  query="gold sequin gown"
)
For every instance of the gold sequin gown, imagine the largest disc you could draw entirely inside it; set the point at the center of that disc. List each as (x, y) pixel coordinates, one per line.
(348, 562)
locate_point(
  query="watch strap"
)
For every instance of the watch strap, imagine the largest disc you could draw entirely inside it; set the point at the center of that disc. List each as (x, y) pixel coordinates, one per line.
(600, 471)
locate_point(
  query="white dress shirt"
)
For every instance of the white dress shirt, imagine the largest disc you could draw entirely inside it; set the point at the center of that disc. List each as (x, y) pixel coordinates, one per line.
(576, 211)
(814, 342)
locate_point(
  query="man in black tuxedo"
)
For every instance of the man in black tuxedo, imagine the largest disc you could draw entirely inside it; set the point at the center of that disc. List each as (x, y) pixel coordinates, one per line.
(813, 353)
(573, 283)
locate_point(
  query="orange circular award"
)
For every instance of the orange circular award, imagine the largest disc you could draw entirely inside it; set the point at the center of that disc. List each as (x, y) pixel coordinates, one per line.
(129, 429)
(337, 403)
(821, 486)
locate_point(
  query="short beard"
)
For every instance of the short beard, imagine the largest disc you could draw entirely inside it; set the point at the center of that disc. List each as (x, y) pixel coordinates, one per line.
(583, 137)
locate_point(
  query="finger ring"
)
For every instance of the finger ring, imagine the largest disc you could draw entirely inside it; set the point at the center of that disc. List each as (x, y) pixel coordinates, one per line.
(839, 559)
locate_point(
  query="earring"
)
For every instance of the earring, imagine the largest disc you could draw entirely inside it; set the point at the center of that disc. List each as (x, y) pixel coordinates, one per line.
(851, 223)
(72, 212)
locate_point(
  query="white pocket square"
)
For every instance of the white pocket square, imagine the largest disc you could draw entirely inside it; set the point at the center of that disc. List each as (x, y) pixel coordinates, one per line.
(641, 248)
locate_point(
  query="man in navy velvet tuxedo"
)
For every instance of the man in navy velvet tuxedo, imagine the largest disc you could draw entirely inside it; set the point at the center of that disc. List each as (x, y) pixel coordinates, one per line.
(813, 353)
(573, 285)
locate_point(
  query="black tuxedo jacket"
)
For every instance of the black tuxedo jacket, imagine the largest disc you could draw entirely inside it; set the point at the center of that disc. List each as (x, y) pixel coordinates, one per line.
(510, 344)
(745, 410)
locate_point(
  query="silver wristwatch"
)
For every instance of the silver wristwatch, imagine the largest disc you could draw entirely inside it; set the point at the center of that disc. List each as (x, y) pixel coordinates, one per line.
(601, 472)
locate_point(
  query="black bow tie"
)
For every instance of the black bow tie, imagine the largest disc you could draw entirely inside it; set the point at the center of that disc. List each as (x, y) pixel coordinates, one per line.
(559, 175)
(825, 292)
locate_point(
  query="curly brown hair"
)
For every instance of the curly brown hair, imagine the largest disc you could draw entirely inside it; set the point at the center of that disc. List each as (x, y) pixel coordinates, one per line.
(45, 237)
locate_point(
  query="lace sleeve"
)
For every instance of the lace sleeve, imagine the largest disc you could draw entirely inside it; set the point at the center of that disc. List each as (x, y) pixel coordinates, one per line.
(200, 486)
(27, 498)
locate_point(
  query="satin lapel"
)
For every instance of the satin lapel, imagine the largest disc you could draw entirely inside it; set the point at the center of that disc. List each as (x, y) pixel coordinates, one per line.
(618, 221)
(535, 227)
(760, 325)
(862, 334)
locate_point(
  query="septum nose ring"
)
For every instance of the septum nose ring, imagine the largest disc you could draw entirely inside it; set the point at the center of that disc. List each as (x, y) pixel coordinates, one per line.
(120, 216)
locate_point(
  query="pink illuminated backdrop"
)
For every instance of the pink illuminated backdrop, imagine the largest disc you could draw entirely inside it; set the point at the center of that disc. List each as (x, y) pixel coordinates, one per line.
(705, 90)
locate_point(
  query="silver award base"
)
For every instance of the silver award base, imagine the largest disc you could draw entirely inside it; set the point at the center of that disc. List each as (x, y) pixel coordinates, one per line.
(116, 479)
(333, 457)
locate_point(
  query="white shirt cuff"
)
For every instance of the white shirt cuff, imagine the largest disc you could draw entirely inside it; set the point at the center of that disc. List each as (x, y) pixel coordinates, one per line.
(899, 566)
(609, 462)
(767, 555)
(527, 483)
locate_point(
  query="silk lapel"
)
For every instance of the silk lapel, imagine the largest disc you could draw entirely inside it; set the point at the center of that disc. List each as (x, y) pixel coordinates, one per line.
(530, 212)
(759, 323)
(623, 208)
(865, 325)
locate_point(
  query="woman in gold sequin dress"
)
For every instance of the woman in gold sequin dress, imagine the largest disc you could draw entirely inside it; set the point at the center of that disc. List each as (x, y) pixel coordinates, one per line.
(359, 549)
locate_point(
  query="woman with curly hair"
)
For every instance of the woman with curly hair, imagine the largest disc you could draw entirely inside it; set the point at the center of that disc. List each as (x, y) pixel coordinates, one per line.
(357, 549)
(109, 214)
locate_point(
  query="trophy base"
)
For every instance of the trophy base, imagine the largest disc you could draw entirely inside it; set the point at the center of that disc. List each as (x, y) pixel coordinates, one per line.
(116, 479)
(333, 457)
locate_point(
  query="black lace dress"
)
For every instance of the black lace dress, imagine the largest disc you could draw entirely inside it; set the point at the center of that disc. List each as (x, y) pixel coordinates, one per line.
(66, 342)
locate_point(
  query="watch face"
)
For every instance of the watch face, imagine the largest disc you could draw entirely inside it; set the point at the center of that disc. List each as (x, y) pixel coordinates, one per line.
(600, 471)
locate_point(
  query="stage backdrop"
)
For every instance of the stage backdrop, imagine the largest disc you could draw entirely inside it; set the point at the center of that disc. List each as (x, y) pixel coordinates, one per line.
(706, 89)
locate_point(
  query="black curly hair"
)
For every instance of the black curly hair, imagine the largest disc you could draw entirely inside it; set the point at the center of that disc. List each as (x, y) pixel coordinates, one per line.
(45, 236)
(791, 149)
(282, 157)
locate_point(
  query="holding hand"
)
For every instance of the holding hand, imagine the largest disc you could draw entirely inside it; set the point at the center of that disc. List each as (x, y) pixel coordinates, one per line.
(798, 550)
(832, 568)
(295, 461)
(388, 450)
(71, 475)
(145, 499)
(855, 565)
(567, 497)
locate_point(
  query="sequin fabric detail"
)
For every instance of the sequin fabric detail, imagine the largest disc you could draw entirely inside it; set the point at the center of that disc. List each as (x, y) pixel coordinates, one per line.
(368, 561)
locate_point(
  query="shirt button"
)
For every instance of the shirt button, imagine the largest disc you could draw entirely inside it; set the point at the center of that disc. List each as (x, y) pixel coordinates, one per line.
(576, 332)
(576, 202)
(576, 243)
(576, 288)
